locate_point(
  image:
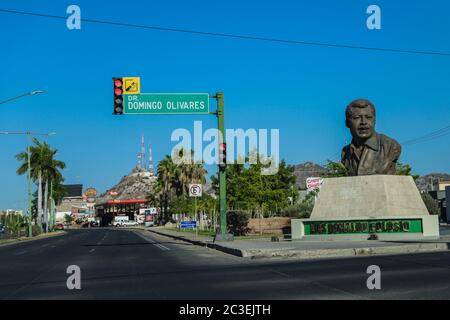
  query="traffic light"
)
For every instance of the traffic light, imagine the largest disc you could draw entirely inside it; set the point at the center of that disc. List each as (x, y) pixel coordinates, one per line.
(118, 96)
(222, 156)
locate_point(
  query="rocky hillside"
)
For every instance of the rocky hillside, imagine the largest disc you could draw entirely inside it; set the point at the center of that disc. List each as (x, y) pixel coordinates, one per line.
(425, 183)
(137, 185)
(306, 170)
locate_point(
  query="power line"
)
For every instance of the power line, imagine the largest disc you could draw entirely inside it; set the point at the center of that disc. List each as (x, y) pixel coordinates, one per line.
(425, 138)
(432, 135)
(234, 36)
(428, 137)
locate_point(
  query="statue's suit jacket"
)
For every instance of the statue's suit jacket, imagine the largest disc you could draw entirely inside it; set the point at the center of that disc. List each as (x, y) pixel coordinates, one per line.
(379, 156)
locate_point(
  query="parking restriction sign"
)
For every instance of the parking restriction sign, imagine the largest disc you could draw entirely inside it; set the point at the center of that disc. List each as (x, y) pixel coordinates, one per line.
(195, 190)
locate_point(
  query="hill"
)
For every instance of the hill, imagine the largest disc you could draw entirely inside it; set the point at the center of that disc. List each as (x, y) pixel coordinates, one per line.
(136, 185)
(306, 170)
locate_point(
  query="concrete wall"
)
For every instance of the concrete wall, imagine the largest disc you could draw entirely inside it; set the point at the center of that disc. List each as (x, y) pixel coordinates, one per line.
(269, 225)
(368, 196)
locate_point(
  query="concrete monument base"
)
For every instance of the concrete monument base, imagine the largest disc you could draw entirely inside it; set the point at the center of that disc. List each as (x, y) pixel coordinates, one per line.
(353, 208)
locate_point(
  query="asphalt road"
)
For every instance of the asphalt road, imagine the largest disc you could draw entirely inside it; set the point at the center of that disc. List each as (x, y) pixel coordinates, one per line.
(123, 264)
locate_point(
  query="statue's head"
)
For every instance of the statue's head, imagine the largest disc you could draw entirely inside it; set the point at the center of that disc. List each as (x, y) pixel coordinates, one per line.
(360, 119)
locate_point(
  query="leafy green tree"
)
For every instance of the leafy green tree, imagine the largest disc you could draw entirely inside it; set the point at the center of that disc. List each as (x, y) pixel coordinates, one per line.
(335, 169)
(404, 170)
(68, 219)
(249, 190)
(303, 209)
(237, 222)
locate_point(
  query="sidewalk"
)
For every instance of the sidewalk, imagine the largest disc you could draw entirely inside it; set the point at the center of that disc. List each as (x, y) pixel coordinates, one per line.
(307, 249)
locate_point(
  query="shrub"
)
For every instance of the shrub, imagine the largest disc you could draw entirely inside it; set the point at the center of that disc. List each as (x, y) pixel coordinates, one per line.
(238, 222)
(303, 209)
(430, 203)
(35, 230)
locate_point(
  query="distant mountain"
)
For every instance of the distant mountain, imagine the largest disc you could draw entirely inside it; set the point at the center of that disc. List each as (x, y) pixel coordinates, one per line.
(426, 183)
(136, 185)
(306, 170)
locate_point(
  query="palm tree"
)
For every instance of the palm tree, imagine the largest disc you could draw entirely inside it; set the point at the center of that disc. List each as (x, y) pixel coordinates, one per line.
(166, 174)
(173, 181)
(44, 170)
(51, 174)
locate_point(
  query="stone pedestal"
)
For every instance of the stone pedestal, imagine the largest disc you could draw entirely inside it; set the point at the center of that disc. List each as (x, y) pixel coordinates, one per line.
(355, 207)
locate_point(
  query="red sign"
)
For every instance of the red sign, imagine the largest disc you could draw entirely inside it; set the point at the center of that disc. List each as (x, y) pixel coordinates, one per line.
(313, 183)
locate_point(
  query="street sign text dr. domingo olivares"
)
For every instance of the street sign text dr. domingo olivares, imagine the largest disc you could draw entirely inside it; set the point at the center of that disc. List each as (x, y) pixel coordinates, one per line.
(166, 103)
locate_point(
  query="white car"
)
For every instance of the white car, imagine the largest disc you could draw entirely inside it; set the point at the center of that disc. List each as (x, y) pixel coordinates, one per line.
(125, 223)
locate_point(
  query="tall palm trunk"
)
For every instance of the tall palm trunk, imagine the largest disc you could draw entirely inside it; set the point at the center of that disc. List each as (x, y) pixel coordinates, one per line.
(39, 213)
(52, 218)
(46, 206)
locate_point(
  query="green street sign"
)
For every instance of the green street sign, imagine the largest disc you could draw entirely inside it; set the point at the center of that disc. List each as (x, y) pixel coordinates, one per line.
(166, 103)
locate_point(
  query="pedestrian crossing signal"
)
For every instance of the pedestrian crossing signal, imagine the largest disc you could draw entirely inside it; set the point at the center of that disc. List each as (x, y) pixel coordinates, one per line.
(118, 96)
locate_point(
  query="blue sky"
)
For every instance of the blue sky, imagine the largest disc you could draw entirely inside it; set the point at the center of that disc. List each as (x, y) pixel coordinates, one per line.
(301, 90)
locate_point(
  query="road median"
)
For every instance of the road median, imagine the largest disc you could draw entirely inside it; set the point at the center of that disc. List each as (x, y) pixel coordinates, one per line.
(302, 250)
(7, 242)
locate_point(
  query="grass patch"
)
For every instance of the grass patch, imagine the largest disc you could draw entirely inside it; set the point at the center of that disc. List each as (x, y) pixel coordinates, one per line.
(40, 236)
(200, 232)
(258, 236)
(211, 234)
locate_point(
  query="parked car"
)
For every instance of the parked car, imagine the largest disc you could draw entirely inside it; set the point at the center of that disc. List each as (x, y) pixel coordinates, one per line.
(59, 226)
(2, 228)
(130, 223)
(125, 223)
(94, 224)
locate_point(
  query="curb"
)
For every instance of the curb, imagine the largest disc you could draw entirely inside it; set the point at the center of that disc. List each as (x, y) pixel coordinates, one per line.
(233, 251)
(348, 252)
(17, 241)
(316, 253)
(196, 242)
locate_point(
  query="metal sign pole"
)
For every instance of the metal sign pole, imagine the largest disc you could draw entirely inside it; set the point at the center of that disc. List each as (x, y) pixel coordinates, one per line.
(222, 174)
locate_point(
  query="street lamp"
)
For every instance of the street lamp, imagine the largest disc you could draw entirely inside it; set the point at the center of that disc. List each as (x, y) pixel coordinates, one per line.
(32, 93)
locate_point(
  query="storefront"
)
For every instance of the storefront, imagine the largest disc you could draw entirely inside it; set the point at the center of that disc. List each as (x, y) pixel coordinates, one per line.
(106, 212)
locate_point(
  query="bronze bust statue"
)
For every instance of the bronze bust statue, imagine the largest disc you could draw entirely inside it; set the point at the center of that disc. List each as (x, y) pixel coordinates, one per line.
(369, 152)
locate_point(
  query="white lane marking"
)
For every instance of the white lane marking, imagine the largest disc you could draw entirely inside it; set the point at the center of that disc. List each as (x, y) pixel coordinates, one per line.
(162, 247)
(158, 245)
(44, 245)
(92, 250)
(20, 253)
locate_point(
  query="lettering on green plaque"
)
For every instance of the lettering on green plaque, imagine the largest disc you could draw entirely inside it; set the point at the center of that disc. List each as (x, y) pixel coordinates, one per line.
(363, 226)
